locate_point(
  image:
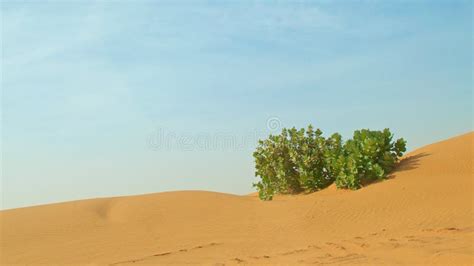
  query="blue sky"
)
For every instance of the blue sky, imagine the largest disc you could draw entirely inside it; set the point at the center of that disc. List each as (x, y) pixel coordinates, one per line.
(90, 88)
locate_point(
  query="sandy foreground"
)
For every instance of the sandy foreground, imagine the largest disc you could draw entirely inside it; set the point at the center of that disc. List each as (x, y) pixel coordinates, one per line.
(423, 214)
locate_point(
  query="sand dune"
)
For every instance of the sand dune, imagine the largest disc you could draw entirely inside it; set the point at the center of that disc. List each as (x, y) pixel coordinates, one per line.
(423, 214)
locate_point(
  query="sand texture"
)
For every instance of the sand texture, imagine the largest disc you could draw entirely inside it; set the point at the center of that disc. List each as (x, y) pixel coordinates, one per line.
(423, 214)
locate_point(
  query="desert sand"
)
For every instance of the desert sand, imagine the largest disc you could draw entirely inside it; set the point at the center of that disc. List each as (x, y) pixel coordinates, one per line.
(423, 214)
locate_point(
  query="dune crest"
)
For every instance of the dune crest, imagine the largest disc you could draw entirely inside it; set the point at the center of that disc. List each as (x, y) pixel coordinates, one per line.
(422, 214)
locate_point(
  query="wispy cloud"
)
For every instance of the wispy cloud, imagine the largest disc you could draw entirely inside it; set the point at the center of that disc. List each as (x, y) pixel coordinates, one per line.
(34, 32)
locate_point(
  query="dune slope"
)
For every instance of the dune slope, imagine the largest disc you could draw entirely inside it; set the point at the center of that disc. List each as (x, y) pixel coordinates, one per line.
(422, 214)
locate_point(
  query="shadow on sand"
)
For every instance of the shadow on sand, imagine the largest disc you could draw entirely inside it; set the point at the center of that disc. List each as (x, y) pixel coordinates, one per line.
(405, 164)
(409, 163)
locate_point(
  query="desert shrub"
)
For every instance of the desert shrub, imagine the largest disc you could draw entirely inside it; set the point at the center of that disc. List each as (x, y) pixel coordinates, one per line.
(304, 161)
(368, 156)
(295, 161)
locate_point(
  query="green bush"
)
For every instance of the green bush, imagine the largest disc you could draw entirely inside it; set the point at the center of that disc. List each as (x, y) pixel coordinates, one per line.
(369, 155)
(304, 161)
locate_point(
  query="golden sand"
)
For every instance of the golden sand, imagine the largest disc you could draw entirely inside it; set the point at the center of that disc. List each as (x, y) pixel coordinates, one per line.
(423, 214)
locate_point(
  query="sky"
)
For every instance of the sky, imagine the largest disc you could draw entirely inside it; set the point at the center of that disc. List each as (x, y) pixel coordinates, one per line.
(107, 98)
